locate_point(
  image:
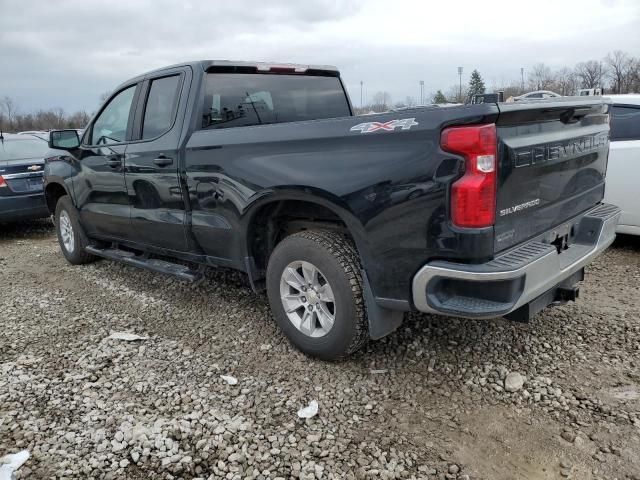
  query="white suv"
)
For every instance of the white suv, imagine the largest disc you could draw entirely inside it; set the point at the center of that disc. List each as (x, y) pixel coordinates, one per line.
(623, 172)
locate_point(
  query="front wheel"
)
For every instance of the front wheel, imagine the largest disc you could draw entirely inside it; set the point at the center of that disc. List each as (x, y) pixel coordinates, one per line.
(71, 236)
(314, 284)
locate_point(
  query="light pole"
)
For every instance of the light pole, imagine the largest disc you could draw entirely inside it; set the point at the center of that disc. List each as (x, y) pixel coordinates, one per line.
(421, 92)
(460, 75)
(522, 78)
(361, 94)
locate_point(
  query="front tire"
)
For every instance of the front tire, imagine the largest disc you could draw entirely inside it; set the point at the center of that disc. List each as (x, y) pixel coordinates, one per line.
(71, 236)
(314, 285)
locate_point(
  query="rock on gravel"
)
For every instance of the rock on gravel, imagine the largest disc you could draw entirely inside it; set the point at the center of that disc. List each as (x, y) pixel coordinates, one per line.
(513, 382)
(126, 336)
(309, 411)
(229, 380)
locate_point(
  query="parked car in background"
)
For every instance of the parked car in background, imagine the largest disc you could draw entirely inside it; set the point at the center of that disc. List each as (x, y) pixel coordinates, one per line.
(589, 92)
(623, 173)
(537, 95)
(21, 168)
(43, 134)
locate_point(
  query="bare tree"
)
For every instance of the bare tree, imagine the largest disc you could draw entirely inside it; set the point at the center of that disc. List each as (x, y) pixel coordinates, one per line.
(590, 73)
(511, 89)
(633, 80)
(79, 119)
(619, 69)
(381, 101)
(10, 110)
(541, 77)
(410, 101)
(455, 96)
(566, 82)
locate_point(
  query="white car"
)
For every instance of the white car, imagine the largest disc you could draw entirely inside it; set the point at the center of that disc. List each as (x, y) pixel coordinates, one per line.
(537, 95)
(623, 171)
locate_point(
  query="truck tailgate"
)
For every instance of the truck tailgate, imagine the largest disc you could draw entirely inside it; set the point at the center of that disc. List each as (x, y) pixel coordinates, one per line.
(552, 165)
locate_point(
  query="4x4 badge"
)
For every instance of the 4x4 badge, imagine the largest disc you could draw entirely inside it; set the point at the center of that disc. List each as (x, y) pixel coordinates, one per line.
(390, 126)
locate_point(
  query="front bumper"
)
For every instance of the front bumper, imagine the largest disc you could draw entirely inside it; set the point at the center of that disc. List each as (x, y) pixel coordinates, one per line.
(515, 278)
(23, 207)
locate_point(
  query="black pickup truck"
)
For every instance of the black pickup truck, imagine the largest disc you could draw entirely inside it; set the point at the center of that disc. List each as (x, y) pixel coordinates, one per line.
(474, 211)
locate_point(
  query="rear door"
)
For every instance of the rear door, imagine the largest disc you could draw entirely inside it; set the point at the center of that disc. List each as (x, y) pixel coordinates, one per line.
(158, 213)
(552, 165)
(623, 172)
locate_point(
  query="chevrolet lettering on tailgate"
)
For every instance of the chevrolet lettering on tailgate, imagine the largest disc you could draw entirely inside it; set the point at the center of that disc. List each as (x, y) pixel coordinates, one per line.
(533, 155)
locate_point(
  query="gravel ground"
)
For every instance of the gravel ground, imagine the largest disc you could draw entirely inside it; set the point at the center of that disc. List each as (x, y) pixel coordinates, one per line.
(439, 399)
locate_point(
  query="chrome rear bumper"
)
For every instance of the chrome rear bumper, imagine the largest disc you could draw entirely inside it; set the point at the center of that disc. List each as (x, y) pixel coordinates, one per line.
(515, 278)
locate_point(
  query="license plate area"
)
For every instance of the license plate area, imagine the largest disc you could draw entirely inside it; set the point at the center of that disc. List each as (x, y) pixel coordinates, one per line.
(26, 184)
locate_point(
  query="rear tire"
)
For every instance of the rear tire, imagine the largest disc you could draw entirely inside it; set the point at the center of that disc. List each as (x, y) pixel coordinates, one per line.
(317, 275)
(71, 236)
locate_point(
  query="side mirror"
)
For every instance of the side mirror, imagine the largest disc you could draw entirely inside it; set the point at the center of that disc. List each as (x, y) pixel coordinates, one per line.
(64, 139)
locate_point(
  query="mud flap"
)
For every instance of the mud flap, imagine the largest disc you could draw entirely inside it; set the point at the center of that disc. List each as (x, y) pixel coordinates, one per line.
(382, 321)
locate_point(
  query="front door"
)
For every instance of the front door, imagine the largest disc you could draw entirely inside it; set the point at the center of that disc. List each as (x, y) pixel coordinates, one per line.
(158, 213)
(101, 193)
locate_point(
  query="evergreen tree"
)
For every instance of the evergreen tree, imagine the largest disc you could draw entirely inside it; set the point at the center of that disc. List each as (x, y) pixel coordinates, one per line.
(476, 84)
(439, 97)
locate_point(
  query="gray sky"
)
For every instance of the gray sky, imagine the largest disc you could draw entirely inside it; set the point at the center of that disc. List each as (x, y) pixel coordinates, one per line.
(66, 53)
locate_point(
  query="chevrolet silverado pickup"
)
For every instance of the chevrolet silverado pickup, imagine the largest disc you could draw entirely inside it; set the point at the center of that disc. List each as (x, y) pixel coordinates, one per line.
(478, 211)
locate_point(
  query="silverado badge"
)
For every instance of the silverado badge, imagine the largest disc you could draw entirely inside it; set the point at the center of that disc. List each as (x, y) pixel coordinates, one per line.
(390, 126)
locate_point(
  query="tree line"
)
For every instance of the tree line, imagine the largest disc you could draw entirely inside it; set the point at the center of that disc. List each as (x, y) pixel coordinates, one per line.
(618, 72)
(13, 120)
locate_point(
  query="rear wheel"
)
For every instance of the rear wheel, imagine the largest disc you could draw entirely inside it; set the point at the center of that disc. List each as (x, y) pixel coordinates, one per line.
(314, 286)
(71, 236)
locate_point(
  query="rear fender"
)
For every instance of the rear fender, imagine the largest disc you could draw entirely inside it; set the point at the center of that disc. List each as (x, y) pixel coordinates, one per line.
(382, 321)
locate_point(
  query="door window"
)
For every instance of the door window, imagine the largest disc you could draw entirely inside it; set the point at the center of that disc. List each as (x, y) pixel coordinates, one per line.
(161, 106)
(625, 123)
(111, 124)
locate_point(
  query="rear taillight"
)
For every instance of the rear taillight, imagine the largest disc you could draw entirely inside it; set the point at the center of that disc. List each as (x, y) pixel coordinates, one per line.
(473, 196)
(2, 182)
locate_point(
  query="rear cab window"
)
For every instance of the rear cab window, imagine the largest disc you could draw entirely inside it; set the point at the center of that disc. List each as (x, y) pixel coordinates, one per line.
(160, 109)
(625, 122)
(244, 99)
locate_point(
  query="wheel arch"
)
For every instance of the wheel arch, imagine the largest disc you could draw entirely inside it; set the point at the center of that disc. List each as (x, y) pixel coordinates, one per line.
(53, 191)
(296, 210)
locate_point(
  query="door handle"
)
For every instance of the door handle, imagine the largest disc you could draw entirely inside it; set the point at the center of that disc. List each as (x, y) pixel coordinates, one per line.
(114, 161)
(163, 161)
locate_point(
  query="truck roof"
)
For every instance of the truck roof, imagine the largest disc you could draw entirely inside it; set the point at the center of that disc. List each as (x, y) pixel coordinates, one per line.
(261, 66)
(264, 66)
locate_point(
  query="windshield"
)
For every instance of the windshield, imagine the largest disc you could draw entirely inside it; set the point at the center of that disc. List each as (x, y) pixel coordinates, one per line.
(17, 149)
